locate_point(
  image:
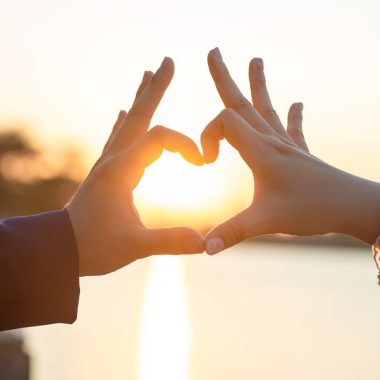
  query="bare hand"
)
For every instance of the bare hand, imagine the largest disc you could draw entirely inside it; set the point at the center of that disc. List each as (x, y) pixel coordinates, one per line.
(106, 224)
(295, 192)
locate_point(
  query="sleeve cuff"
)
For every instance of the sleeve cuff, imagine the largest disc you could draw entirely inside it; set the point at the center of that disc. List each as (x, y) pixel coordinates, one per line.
(39, 271)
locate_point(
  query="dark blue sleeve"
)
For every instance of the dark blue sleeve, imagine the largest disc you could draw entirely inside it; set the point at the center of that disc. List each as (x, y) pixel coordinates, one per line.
(39, 274)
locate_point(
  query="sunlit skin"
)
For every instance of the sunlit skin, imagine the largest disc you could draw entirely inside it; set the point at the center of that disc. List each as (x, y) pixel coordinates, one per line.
(107, 227)
(295, 192)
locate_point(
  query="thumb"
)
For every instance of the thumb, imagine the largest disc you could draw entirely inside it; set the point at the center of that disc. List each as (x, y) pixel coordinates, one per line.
(242, 226)
(174, 240)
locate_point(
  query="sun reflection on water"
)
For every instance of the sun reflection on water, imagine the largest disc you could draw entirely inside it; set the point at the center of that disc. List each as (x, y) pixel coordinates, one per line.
(164, 349)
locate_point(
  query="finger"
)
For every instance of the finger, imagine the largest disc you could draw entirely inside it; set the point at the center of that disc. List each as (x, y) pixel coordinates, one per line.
(146, 150)
(295, 126)
(147, 77)
(141, 113)
(242, 226)
(231, 126)
(119, 122)
(230, 93)
(260, 96)
(175, 241)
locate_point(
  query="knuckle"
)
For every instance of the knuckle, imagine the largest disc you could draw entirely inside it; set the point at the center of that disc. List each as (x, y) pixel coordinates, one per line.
(227, 113)
(241, 103)
(261, 81)
(107, 170)
(237, 233)
(295, 132)
(135, 112)
(157, 131)
(278, 146)
(207, 135)
(270, 113)
(158, 85)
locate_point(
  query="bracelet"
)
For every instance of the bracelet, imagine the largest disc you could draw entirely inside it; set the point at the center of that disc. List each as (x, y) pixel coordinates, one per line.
(376, 255)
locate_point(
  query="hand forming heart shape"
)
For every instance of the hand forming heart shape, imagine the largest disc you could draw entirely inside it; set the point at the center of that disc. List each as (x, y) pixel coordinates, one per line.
(295, 192)
(256, 131)
(106, 224)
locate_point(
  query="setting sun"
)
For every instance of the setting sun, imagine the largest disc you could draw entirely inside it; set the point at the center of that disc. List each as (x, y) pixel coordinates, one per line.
(173, 191)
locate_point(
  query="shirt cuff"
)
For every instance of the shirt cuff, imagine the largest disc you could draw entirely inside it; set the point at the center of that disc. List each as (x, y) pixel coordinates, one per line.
(39, 270)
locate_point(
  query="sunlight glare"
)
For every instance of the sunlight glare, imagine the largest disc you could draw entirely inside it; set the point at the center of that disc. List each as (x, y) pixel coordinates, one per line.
(174, 192)
(177, 184)
(164, 349)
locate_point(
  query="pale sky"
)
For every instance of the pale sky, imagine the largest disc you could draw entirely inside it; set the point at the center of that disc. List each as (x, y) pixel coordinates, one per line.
(68, 67)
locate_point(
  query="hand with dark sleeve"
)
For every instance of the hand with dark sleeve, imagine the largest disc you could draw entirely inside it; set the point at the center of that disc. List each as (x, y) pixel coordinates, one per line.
(99, 231)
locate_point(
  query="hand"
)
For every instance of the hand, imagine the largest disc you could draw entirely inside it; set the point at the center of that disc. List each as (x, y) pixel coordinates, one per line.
(107, 227)
(295, 192)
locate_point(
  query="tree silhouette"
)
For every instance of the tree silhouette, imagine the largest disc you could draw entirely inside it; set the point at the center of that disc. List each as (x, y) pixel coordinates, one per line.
(27, 190)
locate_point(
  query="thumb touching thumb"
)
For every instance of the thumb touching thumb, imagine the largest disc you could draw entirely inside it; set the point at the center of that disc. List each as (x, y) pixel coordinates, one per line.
(174, 241)
(235, 230)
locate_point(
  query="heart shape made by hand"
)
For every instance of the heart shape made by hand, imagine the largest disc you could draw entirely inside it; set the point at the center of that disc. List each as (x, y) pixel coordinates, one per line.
(172, 192)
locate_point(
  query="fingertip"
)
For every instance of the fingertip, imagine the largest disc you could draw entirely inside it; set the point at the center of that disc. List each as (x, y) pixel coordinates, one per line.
(209, 56)
(194, 155)
(210, 148)
(297, 107)
(257, 64)
(193, 243)
(214, 246)
(209, 156)
(122, 114)
(148, 75)
(215, 53)
(120, 118)
(194, 158)
(166, 67)
(168, 64)
(145, 76)
(199, 162)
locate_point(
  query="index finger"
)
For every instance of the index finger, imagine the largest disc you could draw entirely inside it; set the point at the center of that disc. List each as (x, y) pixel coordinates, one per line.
(260, 96)
(230, 93)
(231, 126)
(149, 148)
(141, 113)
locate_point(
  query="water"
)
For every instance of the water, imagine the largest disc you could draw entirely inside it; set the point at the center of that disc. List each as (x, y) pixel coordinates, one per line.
(257, 311)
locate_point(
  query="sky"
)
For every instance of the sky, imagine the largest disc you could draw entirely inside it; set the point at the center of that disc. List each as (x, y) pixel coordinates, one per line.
(67, 68)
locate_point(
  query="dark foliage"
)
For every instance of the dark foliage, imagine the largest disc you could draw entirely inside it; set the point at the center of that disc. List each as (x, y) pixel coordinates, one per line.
(18, 197)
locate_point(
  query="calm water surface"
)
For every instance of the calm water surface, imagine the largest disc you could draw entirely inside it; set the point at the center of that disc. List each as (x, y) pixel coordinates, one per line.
(258, 311)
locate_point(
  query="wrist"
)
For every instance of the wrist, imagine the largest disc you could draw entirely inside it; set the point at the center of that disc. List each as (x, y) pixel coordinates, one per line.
(78, 223)
(359, 208)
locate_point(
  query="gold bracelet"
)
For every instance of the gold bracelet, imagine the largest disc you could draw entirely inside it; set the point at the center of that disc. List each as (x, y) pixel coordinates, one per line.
(376, 255)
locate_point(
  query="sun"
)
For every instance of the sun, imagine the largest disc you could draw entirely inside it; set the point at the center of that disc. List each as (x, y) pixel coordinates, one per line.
(173, 191)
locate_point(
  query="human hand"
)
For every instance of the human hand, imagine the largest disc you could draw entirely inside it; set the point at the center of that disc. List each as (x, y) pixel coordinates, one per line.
(295, 192)
(107, 226)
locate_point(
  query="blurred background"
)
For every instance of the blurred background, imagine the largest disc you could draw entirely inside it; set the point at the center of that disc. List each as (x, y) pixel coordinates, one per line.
(271, 308)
